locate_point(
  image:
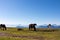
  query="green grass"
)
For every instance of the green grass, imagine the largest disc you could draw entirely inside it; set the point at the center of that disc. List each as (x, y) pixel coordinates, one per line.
(25, 32)
(12, 38)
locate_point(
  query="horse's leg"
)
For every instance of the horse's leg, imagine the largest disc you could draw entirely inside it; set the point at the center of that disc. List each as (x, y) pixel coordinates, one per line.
(29, 28)
(5, 28)
(34, 29)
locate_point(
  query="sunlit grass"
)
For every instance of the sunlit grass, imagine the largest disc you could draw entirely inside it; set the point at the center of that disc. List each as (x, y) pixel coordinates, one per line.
(12, 38)
(25, 32)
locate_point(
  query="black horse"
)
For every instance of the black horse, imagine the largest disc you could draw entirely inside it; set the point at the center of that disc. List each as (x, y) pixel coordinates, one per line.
(3, 26)
(32, 26)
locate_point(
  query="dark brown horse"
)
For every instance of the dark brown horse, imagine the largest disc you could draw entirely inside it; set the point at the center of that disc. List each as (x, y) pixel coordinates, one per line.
(32, 26)
(2, 26)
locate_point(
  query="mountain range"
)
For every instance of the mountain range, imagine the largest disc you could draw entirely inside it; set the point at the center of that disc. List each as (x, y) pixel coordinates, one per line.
(40, 26)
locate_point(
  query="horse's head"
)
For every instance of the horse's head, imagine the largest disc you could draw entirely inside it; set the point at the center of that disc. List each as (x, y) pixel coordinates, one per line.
(35, 24)
(49, 25)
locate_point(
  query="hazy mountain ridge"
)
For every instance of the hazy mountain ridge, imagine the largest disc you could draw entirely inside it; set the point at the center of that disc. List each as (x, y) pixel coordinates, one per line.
(41, 26)
(46, 26)
(38, 26)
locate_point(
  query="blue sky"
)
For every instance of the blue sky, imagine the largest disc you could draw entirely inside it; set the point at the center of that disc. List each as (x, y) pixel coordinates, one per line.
(30, 11)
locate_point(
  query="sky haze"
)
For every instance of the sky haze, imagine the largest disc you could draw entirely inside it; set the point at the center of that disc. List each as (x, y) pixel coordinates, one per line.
(29, 11)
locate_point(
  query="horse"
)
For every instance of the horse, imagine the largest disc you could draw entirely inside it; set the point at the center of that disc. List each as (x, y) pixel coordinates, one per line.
(32, 26)
(3, 26)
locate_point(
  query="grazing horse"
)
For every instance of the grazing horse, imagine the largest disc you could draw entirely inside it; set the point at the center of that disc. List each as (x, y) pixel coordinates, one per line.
(49, 25)
(32, 26)
(3, 26)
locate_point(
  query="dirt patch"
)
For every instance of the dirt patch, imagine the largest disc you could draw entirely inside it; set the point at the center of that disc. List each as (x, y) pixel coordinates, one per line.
(21, 36)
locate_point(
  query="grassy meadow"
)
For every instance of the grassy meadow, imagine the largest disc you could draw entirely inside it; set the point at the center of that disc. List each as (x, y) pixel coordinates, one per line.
(25, 34)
